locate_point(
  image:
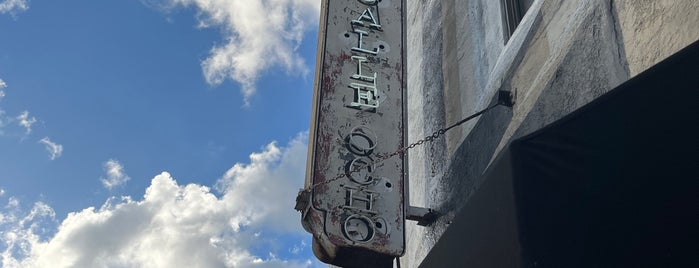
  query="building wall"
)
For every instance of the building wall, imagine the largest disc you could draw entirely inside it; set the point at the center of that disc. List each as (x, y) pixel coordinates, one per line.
(563, 55)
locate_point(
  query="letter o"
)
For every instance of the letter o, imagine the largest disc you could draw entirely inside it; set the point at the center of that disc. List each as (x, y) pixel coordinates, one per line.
(358, 228)
(361, 141)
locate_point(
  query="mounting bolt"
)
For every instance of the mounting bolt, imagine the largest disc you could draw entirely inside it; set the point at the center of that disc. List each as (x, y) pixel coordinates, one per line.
(506, 98)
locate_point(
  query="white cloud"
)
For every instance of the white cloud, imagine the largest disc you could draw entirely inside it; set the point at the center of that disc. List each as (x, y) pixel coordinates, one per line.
(176, 225)
(26, 121)
(2, 85)
(55, 150)
(259, 35)
(263, 188)
(115, 174)
(13, 202)
(4, 121)
(21, 231)
(298, 247)
(13, 6)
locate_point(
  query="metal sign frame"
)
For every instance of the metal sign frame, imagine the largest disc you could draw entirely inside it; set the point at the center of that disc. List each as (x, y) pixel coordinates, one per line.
(358, 115)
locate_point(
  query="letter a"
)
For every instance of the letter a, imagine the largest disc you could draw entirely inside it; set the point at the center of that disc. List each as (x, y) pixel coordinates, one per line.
(369, 17)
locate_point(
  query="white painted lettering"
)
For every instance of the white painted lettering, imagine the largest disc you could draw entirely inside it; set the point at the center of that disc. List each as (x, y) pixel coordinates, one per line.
(365, 95)
(366, 199)
(359, 47)
(359, 228)
(359, 75)
(367, 16)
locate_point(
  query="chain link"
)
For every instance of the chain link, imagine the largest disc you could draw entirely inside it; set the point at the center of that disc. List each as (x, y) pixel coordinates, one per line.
(402, 150)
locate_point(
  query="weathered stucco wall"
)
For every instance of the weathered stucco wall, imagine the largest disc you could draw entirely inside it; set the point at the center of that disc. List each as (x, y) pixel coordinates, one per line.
(563, 55)
(652, 30)
(425, 107)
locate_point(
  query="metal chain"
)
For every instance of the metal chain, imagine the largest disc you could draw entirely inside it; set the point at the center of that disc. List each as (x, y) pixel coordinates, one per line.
(403, 150)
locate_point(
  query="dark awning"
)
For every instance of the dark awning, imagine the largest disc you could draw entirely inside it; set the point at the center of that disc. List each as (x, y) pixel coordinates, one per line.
(613, 184)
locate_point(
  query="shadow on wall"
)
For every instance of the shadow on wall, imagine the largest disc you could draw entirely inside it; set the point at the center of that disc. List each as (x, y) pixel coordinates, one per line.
(592, 65)
(462, 176)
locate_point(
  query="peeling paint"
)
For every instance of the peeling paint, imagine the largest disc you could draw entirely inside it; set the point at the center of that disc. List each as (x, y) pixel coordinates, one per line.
(358, 86)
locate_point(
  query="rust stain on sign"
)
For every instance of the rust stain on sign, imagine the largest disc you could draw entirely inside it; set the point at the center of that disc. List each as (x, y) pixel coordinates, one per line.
(358, 116)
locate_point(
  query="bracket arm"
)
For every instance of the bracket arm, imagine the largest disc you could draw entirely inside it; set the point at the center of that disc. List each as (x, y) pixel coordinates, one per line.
(423, 216)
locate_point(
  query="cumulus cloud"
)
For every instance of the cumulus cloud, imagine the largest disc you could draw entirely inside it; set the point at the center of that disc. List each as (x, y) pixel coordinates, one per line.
(258, 34)
(13, 6)
(115, 174)
(263, 191)
(20, 230)
(177, 225)
(25, 121)
(55, 150)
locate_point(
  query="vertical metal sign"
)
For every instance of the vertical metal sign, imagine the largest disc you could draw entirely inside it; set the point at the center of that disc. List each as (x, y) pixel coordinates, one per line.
(358, 115)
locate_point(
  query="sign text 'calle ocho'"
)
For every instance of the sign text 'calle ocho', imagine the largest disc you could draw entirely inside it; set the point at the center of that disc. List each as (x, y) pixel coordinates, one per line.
(358, 116)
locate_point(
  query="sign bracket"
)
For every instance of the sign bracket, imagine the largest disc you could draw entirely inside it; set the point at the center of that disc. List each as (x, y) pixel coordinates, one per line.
(427, 216)
(423, 216)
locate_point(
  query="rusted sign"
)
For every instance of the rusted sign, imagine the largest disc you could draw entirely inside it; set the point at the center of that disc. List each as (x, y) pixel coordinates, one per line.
(358, 116)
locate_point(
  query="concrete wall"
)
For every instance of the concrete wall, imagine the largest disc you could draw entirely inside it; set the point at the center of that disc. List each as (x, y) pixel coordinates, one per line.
(564, 54)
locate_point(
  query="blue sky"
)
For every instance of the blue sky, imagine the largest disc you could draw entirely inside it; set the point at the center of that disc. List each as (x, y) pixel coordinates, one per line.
(154, 132)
